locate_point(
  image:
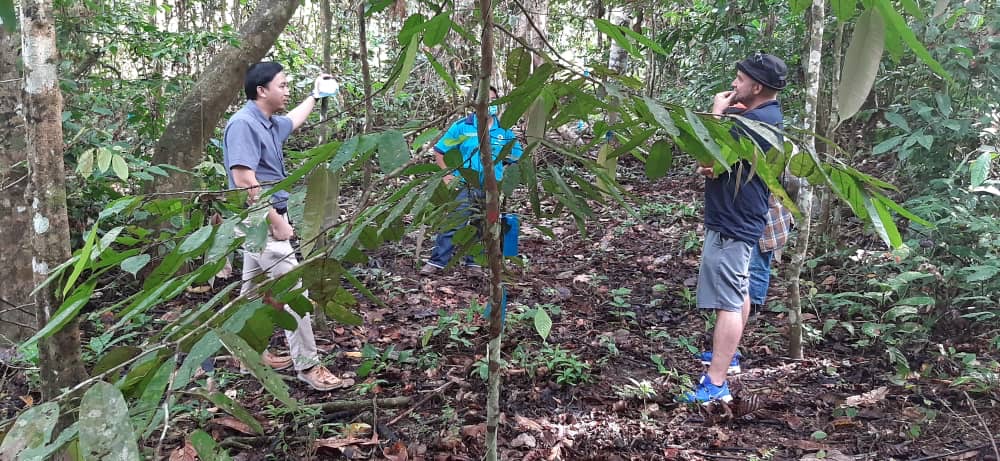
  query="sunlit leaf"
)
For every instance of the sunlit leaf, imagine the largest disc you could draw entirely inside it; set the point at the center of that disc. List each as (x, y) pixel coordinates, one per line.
(980, 169)
(85, 164)
(32, 428)
(518, 65)
(105, 429)
(230, 406)
(543, 323)
(843, 9)
(392, 151)
(120, 167)
(437, 28)
(336, 311)
(251, 359)
(662, 116)
(660, 159)
(410, 54)
(861, 63)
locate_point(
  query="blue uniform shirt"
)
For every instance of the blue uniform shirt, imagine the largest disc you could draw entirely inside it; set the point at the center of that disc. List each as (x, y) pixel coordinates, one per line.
(463, 135)
(254, 141)
(741, 215)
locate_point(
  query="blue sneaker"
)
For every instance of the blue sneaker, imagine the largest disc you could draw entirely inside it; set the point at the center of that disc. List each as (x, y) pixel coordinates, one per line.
(734, 365)
(706, 392)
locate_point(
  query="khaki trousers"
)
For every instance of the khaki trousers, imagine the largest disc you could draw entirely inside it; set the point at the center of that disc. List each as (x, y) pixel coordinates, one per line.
(277, 259)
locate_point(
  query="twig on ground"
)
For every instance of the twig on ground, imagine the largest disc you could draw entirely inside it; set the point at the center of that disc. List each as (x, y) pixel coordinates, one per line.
(360, 405)
(422, 401)
(950, 453)
(986, 427)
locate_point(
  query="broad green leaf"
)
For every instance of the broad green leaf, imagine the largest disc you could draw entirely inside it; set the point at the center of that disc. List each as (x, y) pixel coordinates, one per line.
(943, 103)
(8, 15)
(444, 74)
(392, 151)
(897, 24)
(861, 63)
(67, 311)
(32, 429)
(207, 346)
(980, 169)
(897, 119)
(206, 447)
(103, 159)
(702, 136)
(316, 155)
(225, 235)
(800, 6)
(643, 40)
(518, 65)
(917, 301)
(46, 452)
(543, 323)
(899, 312)
(411, 26)
(195, 241)
(120, 167)
(81, 264)
(660, 159)
(888, 145)
(802, 165)
(118, 206)
(107, 239)
(902, 211)
(338, 312)
(615, 33)
(661, 115)
(317, 207)
(883, 222)
(437, 28)
(115, 357)
(230, 406)
(519, 100)
(134, 264)
(251, 359)
(85, 164)
(144, 409)
(979, 273)
(634, 142)
(410, 54)
(911, 8)
(843, 9)
(105, 430)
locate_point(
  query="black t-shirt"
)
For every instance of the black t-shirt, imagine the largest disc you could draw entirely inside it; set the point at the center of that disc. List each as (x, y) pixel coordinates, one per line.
(741, 215)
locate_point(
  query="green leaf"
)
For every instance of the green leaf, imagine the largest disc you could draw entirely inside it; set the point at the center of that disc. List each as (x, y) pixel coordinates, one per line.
(917, 301)
(660, 158)
(888, 145)
(115, 357)
(704, 138)
(8, 16)
(317, 206)
(105, 430)
(437, 28)
(615, 33)
(152, 394)
(103, 159)
(229, 406)
(338, 312)
(118, 206)
(45, 452)
(897, 24)
(802, 165)
(412, 26)
(206, 447)
(897, 119)
(251, 359)
(911, 8)
(207, 346)
(518, 65)
(84, 260)
(225, 235)
(980, 169)
(861, 63)
(843, 9)
(85, 164)
(316, 155)
(979, 273)
(134, 264)
(522, 97)
(392, 151)
(800, 6)
(661, 115)
(408, 57)
(543, 323)
(943, 103)
(883, 222)
(444, 74)
(642, 39)
(844, 186)
(120, 167)
(902, 211)
(195, 241)
(32, 429)
(67, 311)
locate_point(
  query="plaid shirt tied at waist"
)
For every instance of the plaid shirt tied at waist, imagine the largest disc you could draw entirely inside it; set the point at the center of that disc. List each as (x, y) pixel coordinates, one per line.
(779, 224)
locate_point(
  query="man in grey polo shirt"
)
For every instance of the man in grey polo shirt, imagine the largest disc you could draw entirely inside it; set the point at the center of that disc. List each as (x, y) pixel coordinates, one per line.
(252, 154)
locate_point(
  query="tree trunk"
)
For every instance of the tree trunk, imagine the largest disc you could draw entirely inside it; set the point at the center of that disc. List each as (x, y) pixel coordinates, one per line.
(533, 28)
(59, 354)
(491, 232)
(195, 118)
(813, 61)
(618, 63)
(17, 320)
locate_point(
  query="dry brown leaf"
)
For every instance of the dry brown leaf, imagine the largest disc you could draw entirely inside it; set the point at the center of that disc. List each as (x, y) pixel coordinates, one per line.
(185, 453)
(341, 442)
(526, 424)
(233, 423)
(474, 430)
(198, 290)
(397, 452)
(868, 398)
(355, 430)
(27, 399)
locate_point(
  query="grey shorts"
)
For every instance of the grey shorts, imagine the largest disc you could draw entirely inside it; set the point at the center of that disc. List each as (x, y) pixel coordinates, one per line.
(723, 279)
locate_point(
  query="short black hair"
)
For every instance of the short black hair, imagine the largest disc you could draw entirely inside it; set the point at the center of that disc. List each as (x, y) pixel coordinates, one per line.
(260, 74)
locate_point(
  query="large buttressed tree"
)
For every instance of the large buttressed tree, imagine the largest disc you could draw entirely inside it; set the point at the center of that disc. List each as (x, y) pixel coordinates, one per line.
(195, 117)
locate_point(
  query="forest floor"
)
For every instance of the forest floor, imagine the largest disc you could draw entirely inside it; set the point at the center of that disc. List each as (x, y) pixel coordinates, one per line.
(623, 344)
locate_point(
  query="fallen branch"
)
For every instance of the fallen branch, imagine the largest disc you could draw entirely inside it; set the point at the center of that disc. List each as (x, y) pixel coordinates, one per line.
(986, 427)
(422, 401)
(361, 405)
(951, 453)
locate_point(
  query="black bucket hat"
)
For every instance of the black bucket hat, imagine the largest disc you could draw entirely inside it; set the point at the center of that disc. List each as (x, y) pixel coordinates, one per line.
(766, 69)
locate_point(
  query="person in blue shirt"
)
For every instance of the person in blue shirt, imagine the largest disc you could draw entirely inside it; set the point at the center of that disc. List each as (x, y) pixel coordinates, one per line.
(736, 204)
(463, 136)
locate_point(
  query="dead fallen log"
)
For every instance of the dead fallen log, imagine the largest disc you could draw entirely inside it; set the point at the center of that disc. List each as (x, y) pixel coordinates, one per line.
(361, 405)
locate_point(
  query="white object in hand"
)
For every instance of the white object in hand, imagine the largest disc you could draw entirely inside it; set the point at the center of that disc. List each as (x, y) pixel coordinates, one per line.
(326, 86)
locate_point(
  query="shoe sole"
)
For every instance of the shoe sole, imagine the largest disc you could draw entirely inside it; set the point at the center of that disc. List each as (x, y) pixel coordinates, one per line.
(733, 369)
(726, 399)
(344, 383)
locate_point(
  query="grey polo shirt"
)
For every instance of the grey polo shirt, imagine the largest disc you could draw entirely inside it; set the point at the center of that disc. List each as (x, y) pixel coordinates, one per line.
(254, 141)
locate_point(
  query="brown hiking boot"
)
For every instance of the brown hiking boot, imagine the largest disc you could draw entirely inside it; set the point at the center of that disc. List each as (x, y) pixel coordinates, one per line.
(277, 362)
(429, 269)
(321, 379)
